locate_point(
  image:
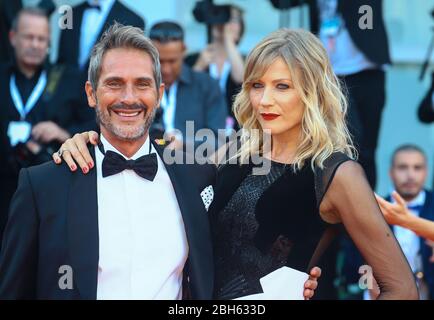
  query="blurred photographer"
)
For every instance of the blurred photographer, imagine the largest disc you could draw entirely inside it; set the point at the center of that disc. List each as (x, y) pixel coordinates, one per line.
(41, 106)
(221, 58)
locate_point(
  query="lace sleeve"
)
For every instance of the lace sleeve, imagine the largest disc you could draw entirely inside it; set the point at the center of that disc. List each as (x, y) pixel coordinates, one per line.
(353, 202)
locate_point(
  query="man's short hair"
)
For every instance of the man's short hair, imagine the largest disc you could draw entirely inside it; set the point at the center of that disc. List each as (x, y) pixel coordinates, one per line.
(166, 31)
(120, 36)
(34, 11)
(407, 147)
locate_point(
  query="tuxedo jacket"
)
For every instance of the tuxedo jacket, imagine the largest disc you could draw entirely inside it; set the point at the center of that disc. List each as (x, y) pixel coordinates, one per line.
(53, 221)
(69, 44)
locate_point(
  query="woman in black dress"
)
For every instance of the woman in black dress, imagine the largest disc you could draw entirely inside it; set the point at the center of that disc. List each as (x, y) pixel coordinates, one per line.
(263, 222)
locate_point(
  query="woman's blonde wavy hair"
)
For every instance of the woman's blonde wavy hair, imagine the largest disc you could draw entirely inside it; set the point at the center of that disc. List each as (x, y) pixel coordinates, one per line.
(324, 130)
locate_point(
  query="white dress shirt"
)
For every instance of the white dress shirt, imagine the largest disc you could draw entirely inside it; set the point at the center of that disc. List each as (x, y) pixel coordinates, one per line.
(222, 78)
(91, 25)
(410, 241)
(142, 241)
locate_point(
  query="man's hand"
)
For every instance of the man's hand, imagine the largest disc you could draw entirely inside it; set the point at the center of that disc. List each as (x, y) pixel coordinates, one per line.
(48, 131)
(394, 213)
(312, 283)
(76, 149)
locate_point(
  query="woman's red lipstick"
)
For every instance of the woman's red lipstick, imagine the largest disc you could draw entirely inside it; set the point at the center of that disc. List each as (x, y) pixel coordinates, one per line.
(269, 116)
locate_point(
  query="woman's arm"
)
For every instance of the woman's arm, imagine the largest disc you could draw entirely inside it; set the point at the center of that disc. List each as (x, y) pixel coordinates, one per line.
(352, 200)
(234, 56)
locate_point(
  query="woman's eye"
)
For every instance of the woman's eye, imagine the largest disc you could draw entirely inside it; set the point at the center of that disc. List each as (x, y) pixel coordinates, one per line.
(256, 85)
(282, 86)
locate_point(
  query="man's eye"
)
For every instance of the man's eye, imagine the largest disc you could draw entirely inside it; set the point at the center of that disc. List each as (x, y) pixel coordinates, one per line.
(143, 85)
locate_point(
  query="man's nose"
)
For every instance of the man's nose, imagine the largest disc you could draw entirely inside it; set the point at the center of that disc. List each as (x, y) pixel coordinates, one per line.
(165, 69)
(128, 95)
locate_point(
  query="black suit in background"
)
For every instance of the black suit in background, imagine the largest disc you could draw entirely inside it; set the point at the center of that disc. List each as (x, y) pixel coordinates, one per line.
(69, 44)
(8, 11)
(426, 107)
(54, 222)
(62, 102)
(366, 89)
(425, 111)
(372, 42)
(365, 92)
(231, 90)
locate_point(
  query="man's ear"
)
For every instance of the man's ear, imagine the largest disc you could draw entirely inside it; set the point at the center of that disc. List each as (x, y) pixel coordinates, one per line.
(91, 95)
(160, 93)
(12, 37)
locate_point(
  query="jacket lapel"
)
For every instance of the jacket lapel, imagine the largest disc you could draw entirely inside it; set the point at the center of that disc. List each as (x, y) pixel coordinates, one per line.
(232, 175)
(200, 263)
(82, 228)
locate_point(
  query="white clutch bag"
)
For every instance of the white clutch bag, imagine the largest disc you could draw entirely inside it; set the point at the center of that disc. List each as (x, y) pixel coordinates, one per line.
(282, 284)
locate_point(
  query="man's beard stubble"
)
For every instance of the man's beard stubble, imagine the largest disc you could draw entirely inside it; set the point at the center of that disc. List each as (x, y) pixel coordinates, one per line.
(131, 134)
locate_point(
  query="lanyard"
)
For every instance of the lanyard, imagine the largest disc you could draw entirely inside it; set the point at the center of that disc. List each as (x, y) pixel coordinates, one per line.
(33, 98)
(168, 104)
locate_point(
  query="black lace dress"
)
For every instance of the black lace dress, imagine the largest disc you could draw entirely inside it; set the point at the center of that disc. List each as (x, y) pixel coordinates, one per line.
(260, 223)
(251, 243)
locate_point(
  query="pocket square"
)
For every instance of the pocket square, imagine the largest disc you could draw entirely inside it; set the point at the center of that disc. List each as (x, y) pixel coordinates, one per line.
(207, 195)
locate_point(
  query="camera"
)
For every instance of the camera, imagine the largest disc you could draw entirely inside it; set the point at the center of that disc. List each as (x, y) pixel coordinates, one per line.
(209, 13)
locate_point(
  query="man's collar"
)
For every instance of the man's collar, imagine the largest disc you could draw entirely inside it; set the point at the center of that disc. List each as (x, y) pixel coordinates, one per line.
(186, 74)
(13, 66)
(419, 200)
(144, 149)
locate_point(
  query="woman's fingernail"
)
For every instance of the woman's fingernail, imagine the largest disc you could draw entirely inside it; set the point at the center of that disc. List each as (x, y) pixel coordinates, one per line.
(73, 168)
(85, 170)
(90, 165)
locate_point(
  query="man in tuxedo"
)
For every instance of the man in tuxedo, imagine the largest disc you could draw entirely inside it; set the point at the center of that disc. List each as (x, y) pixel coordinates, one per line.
(189, 95)
(134, 228)
(42, 104)
(91, 19)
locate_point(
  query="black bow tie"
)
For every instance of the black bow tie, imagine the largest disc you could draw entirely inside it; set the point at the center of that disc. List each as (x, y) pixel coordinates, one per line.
(146, 166)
